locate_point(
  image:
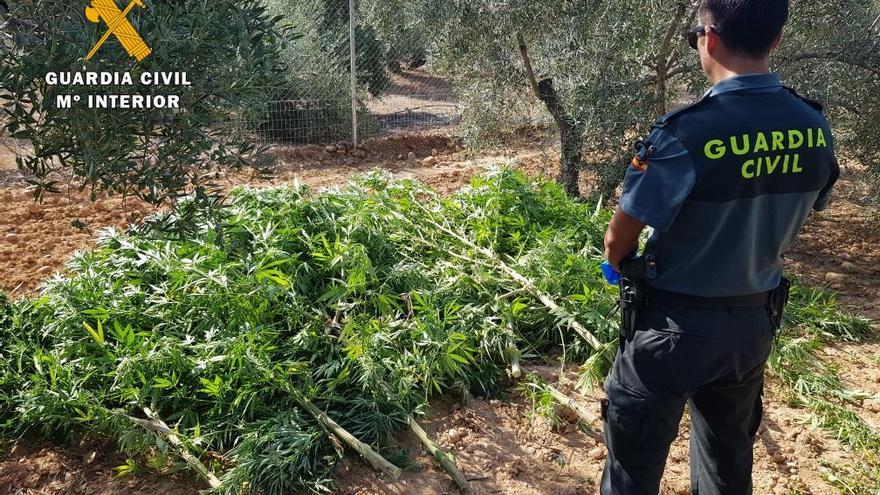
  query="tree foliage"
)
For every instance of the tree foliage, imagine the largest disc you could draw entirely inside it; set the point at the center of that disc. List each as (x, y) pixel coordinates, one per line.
(611, 65)
(831, 53)
(615, 66)
(401, 27)
(227, 48)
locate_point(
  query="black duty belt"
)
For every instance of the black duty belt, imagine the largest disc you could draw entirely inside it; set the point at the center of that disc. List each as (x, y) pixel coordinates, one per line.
(657, 298)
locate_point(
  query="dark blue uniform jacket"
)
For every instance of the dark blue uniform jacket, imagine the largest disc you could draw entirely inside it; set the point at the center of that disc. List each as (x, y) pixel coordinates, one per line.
(727, 183)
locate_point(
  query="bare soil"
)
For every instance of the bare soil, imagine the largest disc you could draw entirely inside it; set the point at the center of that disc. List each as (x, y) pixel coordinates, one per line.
(500, 446)
(839, 248)
(37, 469)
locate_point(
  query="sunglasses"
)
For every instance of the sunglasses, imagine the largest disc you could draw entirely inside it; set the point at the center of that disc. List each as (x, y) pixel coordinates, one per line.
(693, 34)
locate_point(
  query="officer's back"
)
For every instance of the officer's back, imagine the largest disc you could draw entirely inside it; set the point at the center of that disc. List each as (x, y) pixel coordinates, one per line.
(761, 157)
(725, 184)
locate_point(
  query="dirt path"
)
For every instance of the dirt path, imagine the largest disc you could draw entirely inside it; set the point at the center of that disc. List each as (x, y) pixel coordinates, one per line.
(499, 445)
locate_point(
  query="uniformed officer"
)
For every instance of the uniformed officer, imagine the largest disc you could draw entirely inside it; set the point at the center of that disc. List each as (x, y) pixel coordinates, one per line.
(725, 185)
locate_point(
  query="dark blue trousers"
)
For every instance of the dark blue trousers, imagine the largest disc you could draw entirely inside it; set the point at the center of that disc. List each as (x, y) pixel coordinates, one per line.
(711, 359)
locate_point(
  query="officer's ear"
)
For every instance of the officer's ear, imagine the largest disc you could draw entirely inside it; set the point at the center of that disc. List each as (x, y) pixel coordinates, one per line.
(712, 40)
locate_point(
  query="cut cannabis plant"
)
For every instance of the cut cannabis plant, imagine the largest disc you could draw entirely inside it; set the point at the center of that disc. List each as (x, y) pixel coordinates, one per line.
(364, 301)
(296, 319)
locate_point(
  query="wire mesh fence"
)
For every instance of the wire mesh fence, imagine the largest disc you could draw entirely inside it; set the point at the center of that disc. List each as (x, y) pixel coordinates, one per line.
(285, 116)
(396, 87)
(415, 98)
(409, 92)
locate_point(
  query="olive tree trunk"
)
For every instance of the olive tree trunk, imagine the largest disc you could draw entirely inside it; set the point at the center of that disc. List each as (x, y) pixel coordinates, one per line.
(570, 132)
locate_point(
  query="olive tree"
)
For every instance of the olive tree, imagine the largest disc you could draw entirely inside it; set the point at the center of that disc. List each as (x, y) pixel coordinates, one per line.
(831, 53)
(402, 29)
(603, 70)
(227, 48)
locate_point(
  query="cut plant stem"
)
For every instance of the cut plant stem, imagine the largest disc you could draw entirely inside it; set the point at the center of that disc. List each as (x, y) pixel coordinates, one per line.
(548, 301)
(466, 397)
(158, 426)
(515, 369)
(517, 277)
(582, 412)
(442, 457)
(378, 462)
(333, 430)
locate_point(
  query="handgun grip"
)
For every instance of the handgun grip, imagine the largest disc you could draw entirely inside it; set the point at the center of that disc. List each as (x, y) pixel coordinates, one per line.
(639, 267)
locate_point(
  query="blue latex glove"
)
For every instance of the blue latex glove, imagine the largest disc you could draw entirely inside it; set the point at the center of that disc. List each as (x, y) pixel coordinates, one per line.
(612, 276)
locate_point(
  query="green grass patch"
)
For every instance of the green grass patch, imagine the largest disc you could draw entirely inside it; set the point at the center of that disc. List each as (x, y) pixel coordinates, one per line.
(861, 478)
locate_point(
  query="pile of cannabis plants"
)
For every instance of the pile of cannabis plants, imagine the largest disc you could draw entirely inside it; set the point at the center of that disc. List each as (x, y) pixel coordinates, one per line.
(249, 341)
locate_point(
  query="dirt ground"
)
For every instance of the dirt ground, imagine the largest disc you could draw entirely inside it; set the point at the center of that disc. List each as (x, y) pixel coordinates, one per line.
(37, 469)
(501, 448)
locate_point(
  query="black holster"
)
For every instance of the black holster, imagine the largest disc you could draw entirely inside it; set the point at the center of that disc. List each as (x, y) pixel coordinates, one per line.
(632, 301)
(778, 301)
(634, 272)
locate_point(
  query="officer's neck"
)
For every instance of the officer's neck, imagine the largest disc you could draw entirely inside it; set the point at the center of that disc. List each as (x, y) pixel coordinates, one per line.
(737, 66)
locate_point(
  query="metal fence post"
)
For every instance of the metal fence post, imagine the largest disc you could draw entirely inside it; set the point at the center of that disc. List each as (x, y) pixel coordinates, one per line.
(352, 45)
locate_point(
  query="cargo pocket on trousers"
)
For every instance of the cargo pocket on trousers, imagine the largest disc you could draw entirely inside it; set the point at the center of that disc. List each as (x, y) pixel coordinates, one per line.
(624, 433)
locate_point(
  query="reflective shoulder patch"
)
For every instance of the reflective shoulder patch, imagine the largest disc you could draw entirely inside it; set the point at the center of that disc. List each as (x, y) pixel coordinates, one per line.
(643, 151)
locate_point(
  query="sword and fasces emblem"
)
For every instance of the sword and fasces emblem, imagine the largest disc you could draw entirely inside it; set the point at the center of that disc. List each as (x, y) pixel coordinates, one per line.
(117, 25)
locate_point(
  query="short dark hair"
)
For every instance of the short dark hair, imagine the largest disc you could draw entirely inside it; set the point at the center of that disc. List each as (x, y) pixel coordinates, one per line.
(747, 27)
